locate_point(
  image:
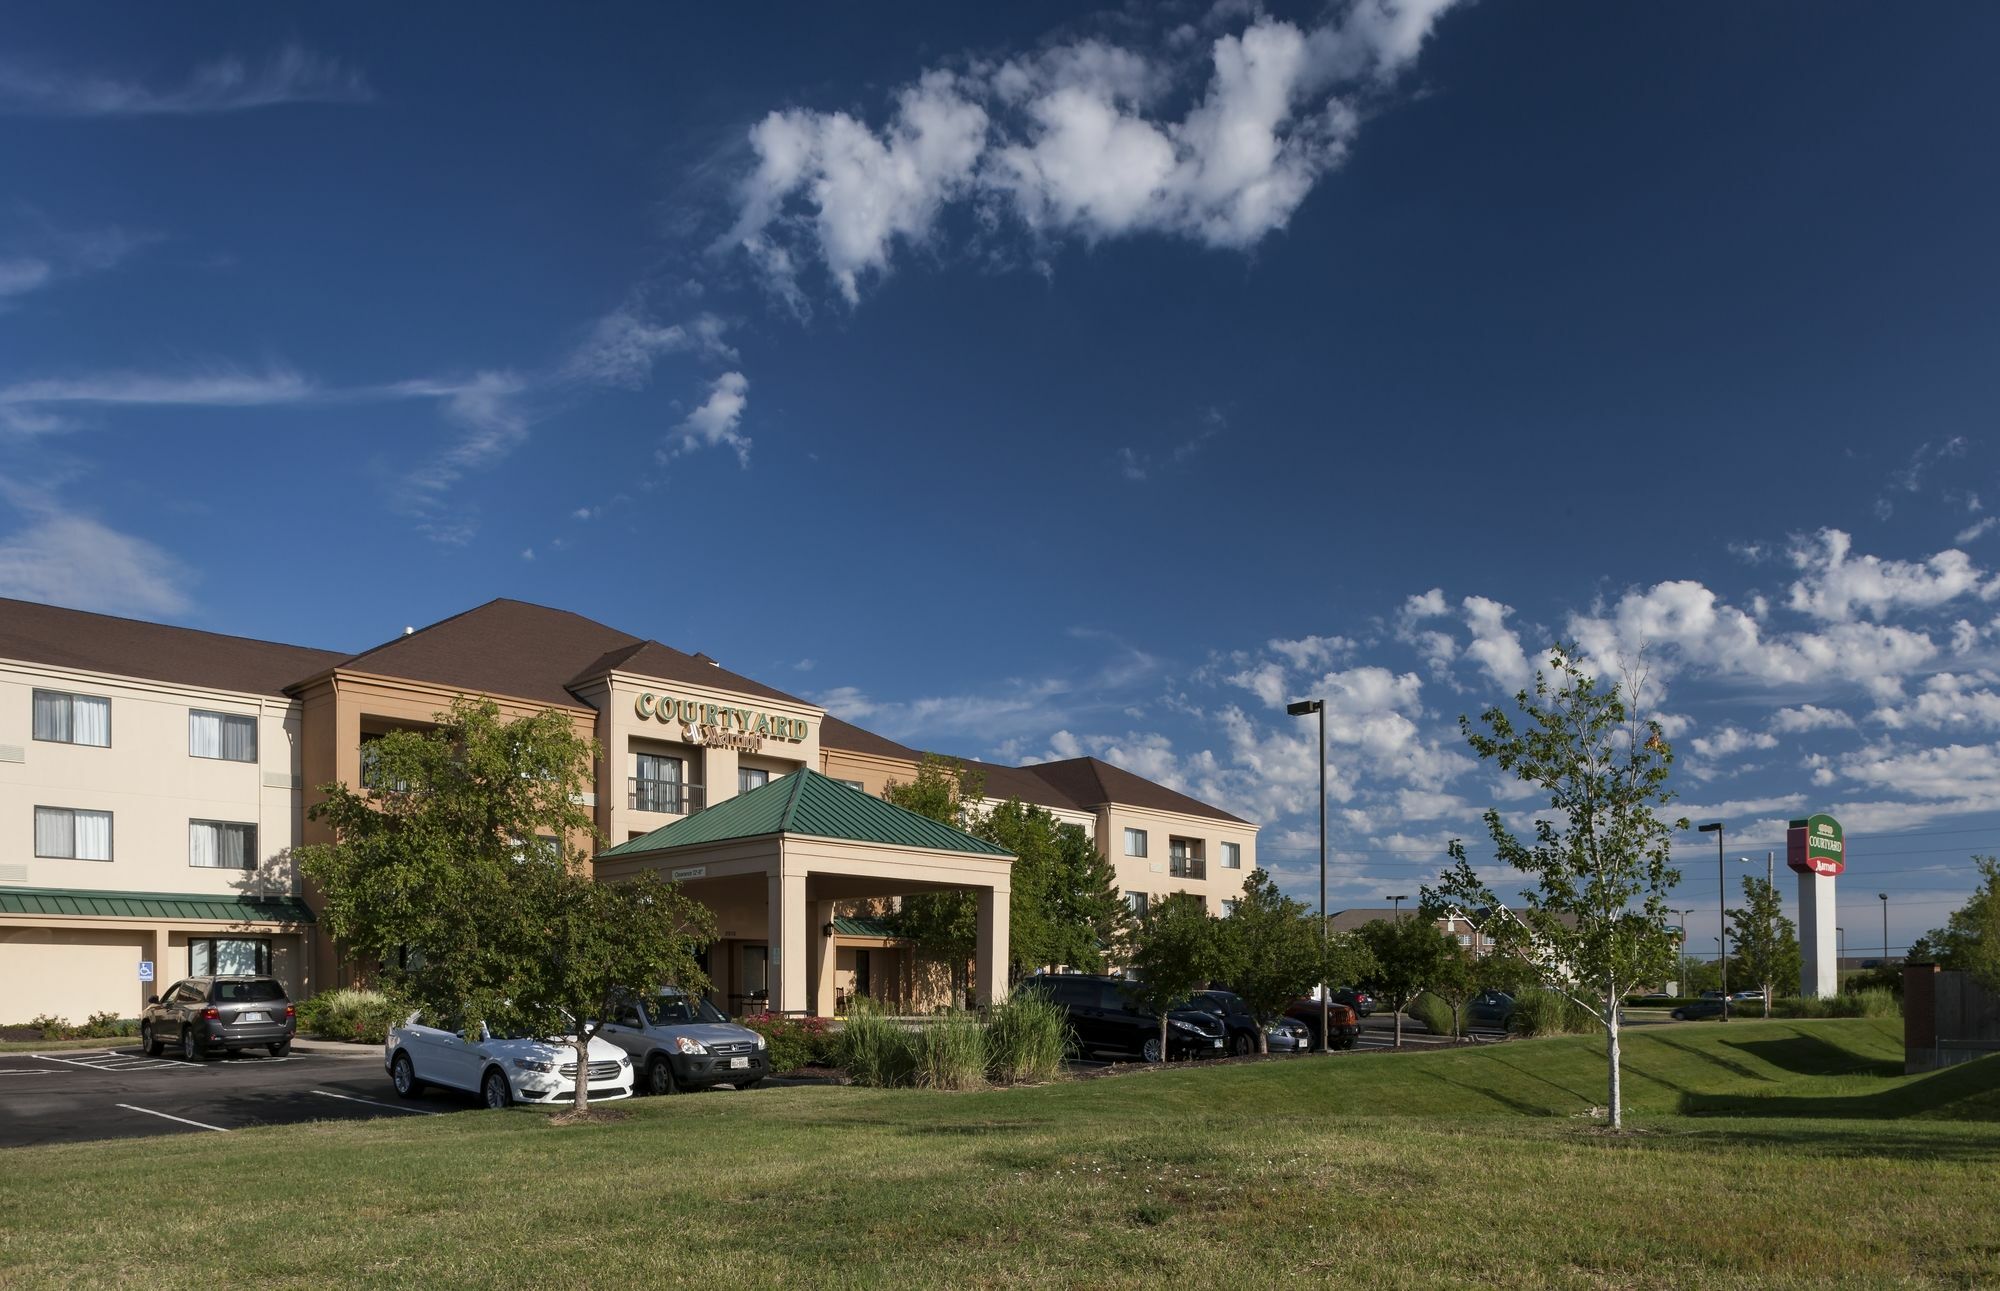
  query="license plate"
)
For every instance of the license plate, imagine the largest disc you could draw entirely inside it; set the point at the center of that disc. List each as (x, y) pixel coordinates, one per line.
(253, 1017)
(1215, 1044)
(739, 1062)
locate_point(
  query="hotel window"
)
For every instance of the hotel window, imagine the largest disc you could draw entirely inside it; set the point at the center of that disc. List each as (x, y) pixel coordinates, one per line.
(72, 719)
(1232, 856)
(748, 778)
(229, 737)
(1135, 842)
(222, 845)
(661, 784)
(66, 834)
(1137, 900)
(1229, 905)
(229, 956)
(856, 785)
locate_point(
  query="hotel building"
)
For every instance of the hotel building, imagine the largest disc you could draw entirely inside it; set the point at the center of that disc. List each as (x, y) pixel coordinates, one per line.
(154, 781)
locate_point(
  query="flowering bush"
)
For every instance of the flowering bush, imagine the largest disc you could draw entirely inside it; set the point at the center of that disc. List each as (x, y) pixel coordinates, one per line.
(361, 1016)
(794, 1042)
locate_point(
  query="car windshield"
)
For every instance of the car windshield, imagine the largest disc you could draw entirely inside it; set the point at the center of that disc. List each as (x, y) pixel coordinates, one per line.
(262, 988)
(671, 1008)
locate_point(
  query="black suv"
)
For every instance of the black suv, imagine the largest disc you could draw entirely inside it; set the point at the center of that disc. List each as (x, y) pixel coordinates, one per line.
(1105, 1018)
(200, 1015)
(1228, 1008)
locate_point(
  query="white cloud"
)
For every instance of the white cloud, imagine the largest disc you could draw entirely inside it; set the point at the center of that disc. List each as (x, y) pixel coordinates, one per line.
(1977, 529)
(1069, 143)
(293, 75)
(624, 345)
(223, 388)
(1809, 717)
(1496, 647)
(1948, 701)
(1311, 651)
(65, 559)
(22, 274)
(715, 421)
(1835, 588)
(1731, 740)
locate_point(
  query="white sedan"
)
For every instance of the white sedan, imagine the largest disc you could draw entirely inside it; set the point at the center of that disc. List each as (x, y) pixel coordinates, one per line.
(501, 1069)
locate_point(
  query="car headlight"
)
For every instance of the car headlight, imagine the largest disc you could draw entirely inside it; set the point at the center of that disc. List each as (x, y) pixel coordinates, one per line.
(535, 1064)
(1185, 1026)
(760, 1040)
(687, 1044)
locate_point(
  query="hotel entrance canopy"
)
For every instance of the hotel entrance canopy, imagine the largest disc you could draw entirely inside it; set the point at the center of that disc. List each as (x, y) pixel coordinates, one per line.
(774, 861)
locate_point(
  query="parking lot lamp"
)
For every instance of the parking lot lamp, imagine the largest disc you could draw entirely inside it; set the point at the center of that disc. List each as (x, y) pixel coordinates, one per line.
(1885, 928)
(1300, 709)
(1396, 904)
(1722, 908)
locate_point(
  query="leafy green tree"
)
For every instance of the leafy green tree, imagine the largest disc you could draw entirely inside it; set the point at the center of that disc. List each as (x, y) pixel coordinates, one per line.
(1270, 950)
(1178, 951)
(1065, 908)
(941, 926)
(467, 874)
(1410, 953)
(1763, 941)
(1595, 922)
(1349, 961)
(1970, 939)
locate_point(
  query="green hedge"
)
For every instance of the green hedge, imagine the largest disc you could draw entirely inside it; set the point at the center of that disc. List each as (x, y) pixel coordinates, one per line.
(355, 1015)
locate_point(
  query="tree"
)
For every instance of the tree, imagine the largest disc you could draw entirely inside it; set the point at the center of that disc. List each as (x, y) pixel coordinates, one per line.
(1064, 908)
(942, 926)
(1270, 950)
(1596, 920)
(1970, 939)
(1176, 953)
(1765, 942)
(466, 873)
(1410, 953)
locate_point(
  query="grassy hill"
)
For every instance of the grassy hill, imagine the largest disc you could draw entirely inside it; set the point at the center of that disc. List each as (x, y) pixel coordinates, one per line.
(1779, 1154)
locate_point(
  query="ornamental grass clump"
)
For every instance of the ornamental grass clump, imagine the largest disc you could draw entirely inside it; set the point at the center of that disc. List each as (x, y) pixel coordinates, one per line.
(875, 1049)
(1538, 1012)
(1026, 1039)
(360, 1015)
(1433, 1012)
(951, 1052)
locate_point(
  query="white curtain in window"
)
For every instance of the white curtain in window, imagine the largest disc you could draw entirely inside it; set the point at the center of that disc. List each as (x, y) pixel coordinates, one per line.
(205, 845)
(238, 844)
(205, 735)
(239, 739)
(51, 716)
(90, 721)
(93, 835)
(55, 832)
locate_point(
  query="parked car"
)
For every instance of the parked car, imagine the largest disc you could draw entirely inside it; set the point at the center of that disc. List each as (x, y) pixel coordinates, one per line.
(1491, 1010)
(1105, 1017)
(1696, 1010)
(1238, 1026)
(203, 1015)
(1361, 1002)
(1287, 1036)
(678, 1043)
(1341, 1024)
(1755, 997)
(501, 1069)
(1651, 998)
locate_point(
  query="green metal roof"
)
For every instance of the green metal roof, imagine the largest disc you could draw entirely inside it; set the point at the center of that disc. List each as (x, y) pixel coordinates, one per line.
(808, 803)
(153, 905)
(853, 926)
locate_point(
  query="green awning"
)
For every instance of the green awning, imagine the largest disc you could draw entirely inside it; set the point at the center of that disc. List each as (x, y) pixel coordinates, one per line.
(87, 903)
(810, 804)
(855, 926)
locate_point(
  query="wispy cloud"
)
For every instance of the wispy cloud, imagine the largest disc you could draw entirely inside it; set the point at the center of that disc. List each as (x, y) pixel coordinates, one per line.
(716, 421)
(65, 557)
(1138, 465)
(218, 388)
(292, 75)
(624, 345)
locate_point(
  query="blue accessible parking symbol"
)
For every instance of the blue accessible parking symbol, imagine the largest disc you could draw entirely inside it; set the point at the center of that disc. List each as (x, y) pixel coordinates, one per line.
(145, 970)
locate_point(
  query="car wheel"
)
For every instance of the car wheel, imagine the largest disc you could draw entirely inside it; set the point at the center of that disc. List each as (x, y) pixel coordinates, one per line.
(150, 1042)
(281, 1048)
(403, 1075)
(1150, 1050)
(1242, 1046)
(191, 1050)
(495, 1089)
(1679, 1015)
(660, 1077)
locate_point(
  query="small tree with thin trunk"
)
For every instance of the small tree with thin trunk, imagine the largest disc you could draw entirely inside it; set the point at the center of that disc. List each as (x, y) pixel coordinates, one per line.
(1177, 952)
(1596, 920)
(1270, 949)
(1765, 941)
(1410, 953)
(941, 926)
(464, 869)
(1970, 939)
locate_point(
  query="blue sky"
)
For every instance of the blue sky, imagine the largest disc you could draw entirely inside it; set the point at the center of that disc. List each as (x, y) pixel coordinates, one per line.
(1024, 383)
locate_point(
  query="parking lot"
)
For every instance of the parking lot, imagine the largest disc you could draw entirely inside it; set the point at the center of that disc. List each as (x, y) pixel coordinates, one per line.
(71, 1095)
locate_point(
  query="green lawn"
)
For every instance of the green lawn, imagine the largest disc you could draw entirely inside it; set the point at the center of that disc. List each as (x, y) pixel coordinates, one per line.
(1780, 1154)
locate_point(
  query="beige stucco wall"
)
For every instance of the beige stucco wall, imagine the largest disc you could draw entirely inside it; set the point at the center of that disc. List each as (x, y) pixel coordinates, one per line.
(149, 783)
(72, 968)
(1152, 873)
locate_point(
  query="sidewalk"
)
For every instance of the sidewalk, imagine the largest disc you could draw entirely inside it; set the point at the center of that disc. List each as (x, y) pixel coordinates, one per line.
(337, 1048)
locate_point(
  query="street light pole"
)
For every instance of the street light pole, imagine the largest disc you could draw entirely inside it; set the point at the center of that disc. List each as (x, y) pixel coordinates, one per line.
(1885, 929)
(1396, 904)
(1300, 709)
(1722, 909)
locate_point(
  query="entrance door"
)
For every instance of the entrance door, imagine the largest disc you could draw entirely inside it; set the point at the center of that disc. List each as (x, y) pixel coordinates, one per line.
(861, 982)
(756, 980)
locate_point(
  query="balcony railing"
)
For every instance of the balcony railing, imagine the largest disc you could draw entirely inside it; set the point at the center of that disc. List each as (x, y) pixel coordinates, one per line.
(1188, 867)
(671, 797)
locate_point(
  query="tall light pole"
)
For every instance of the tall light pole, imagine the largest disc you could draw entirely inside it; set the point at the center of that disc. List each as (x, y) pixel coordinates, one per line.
(1840, 950)
(1885, 928)
(1722, 909)
(1300, 709)
(1396, 904)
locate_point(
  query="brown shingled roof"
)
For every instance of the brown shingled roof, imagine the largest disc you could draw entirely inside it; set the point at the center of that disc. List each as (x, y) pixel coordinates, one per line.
(836, 734)
(1094, 782)
(651, 659)
(49, 634)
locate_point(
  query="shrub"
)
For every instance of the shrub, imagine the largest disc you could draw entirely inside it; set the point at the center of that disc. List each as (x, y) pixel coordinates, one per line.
(1026, 1039)
(1538, 1012)
(106, 1026)
(793, 1042)
(876, 1050)
(51, 1027)
(1873, 1003)
(1433, 1012)
(951, 1053)
(358, 1015)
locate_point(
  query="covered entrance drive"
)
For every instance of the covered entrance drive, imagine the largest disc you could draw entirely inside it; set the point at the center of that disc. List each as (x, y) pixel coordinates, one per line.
(773, 863)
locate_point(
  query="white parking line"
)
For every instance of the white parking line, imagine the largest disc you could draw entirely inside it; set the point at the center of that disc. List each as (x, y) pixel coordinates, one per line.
(394, 1107)
(163, 1116)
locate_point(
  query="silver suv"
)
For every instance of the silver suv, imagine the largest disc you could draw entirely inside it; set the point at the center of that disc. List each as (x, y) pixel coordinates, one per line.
(200, 1015)
(678, 1042)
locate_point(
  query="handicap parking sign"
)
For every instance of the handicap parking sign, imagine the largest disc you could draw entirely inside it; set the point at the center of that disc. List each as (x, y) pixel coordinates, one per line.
(145, 970)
